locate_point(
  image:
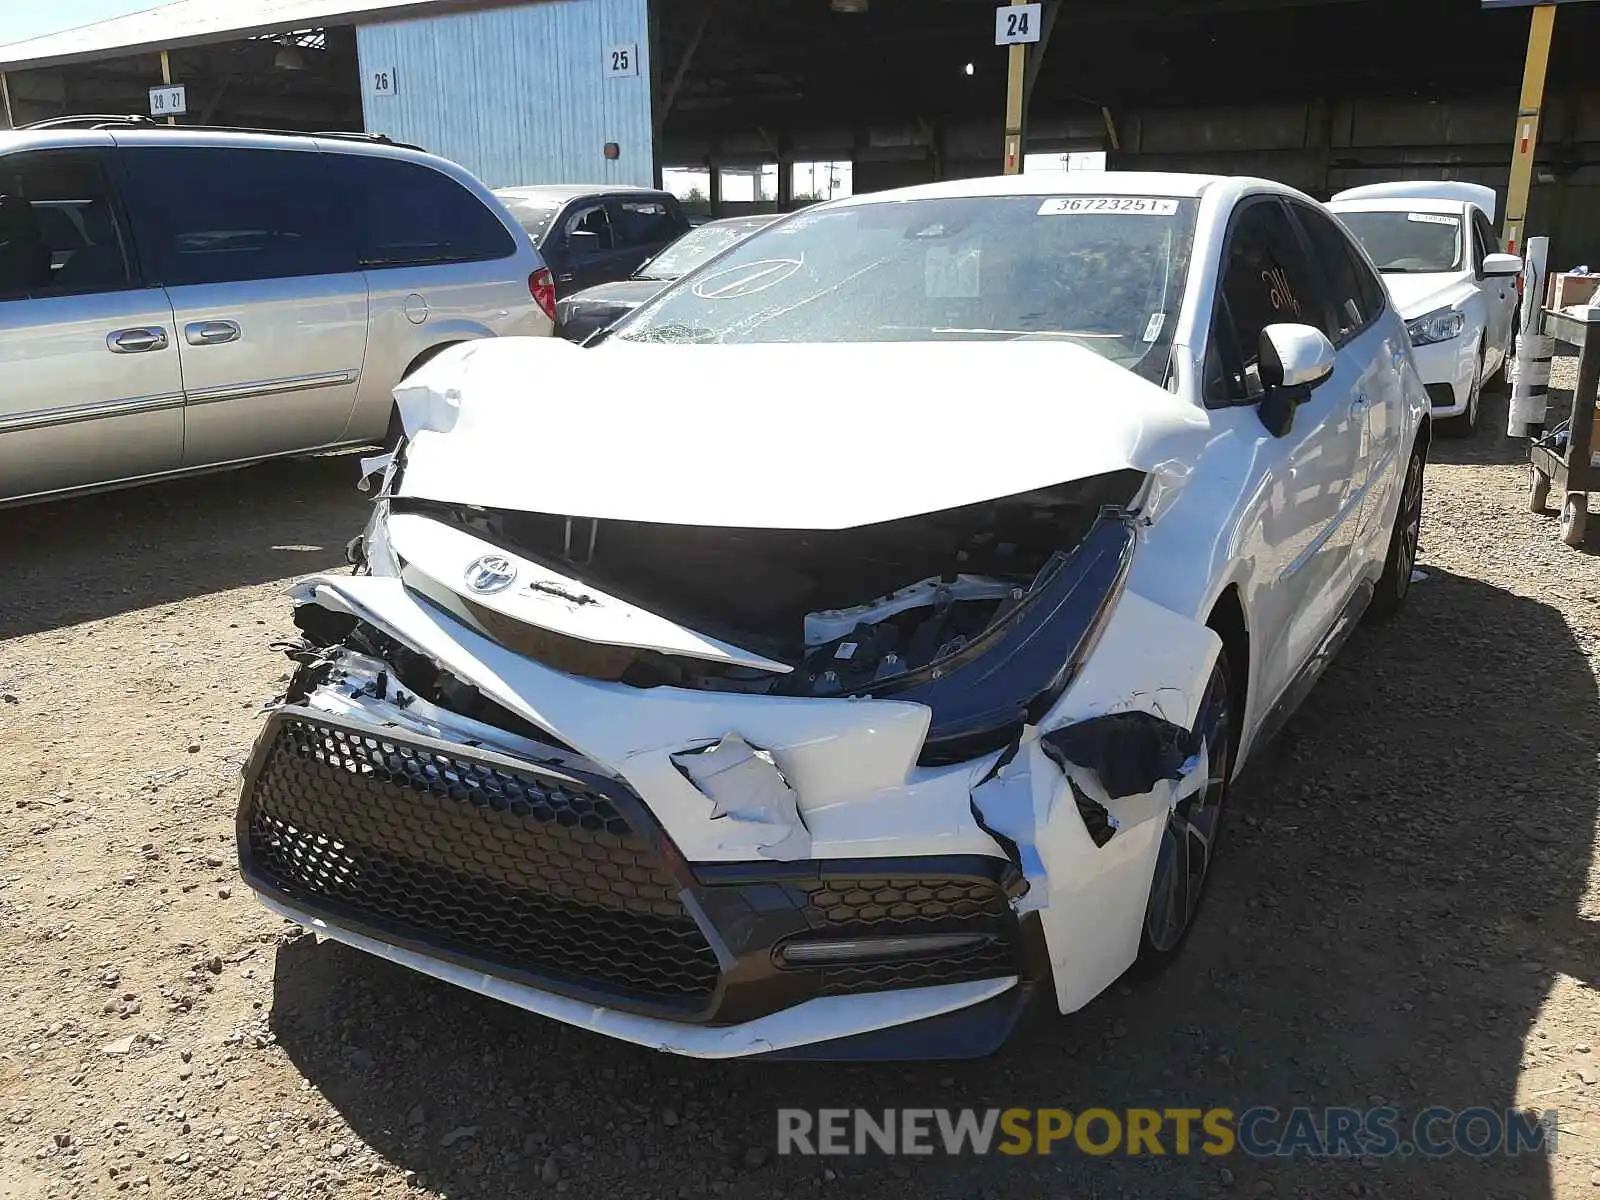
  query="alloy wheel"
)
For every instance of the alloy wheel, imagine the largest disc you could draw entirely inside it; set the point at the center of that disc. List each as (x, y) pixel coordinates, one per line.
(1189, 842)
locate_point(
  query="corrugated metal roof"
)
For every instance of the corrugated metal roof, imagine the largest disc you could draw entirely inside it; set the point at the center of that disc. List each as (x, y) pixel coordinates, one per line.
(197, 22)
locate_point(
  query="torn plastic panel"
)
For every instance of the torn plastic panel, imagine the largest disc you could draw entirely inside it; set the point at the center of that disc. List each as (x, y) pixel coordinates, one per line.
(745, 784)
(851, 763)
(1129, 752)
(1087, 855)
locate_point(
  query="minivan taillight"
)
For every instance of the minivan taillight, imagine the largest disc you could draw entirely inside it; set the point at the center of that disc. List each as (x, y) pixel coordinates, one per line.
(542, 285)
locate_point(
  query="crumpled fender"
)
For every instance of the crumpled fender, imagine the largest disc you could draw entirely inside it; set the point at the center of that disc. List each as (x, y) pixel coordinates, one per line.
(1091, 897)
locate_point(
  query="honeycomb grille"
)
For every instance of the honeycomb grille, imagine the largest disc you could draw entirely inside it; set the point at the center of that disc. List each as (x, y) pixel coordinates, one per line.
(886, 903)
(884, 907)
(506, 866)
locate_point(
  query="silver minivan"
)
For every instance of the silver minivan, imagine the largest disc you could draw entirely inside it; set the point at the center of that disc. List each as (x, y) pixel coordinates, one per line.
(177, 300)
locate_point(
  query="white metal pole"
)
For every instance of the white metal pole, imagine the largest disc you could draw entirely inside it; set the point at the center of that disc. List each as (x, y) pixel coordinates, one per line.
(1530, 372)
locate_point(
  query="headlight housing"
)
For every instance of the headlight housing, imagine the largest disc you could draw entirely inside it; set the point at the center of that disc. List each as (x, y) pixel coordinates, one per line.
(1438, 326)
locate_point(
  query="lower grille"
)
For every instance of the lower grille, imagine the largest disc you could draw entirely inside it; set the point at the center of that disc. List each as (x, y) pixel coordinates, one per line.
(510, 866)
(843, 908)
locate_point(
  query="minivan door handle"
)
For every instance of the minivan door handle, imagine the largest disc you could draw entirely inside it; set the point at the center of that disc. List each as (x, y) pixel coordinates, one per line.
(136, 341)
(210, 333)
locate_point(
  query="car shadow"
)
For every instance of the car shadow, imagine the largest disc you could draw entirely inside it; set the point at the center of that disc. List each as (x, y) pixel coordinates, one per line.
(1489, 446)
(1399, 891)
(79, 560)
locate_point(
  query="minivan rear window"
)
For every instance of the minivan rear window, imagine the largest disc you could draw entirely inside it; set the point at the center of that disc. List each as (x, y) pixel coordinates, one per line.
(408, 214)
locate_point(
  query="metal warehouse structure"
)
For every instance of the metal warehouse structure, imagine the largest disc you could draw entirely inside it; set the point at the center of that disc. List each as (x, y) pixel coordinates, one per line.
(1323, 94)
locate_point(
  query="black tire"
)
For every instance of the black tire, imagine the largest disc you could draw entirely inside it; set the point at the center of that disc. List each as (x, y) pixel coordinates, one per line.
(1395, 584)
(1575, 520)
(1189, 842)
(1538, 491)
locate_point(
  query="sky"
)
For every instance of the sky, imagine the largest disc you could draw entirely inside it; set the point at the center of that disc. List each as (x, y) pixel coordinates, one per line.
(20, 19)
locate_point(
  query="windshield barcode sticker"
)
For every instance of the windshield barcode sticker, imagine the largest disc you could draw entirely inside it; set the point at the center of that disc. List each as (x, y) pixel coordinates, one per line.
(1088, 206)
(1433, 219)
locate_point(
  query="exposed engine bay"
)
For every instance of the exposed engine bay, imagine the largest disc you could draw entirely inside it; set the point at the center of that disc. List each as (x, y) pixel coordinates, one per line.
(975, 611)
(846, 608)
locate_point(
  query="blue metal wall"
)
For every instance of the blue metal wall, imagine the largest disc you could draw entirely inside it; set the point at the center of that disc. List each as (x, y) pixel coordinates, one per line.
(517, 94)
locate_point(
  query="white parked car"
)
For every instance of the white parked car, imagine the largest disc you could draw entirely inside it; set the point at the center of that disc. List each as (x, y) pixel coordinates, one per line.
(859, 644)
(1436, 248)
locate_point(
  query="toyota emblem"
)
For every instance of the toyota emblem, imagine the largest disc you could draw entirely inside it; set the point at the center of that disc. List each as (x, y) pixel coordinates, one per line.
(491, 574)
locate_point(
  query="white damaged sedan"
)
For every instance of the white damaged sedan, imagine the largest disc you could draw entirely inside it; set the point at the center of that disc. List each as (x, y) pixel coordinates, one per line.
(853, 649)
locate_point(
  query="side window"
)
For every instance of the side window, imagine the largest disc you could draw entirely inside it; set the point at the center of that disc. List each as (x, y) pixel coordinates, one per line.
(226, 214)
(406, 214)
(1353, 306)
(1481, 245)
(643, 223)
(60, 231)
(1488, 241)
(1266, 280)
(589, 219)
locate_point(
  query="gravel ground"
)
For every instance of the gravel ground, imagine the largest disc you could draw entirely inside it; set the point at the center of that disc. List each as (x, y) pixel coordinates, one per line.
(1405, 912)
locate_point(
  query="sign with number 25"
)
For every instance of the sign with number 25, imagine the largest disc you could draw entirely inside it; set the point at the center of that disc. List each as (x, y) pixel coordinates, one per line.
(622, 60)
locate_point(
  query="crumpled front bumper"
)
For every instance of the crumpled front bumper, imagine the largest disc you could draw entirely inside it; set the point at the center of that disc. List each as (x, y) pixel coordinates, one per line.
(1042, 871)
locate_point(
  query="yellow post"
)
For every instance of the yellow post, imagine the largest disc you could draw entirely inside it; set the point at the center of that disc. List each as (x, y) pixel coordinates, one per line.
(166, 78)
(1528, 110)
(1016, 76)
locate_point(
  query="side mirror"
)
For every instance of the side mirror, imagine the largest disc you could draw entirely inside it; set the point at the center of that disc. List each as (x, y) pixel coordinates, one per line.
(1500, 265)
(1294, 359)
(583, 241)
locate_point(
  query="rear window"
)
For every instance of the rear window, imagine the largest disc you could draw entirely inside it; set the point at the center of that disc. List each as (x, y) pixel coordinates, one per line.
(534, 213)
(408, 214)
(645, 223)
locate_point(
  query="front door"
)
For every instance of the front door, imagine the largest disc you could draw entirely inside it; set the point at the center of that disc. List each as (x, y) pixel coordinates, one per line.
(1499, 294)
(90, 390)
(270, 306)
(1312, 475)
(644, 227)
(588, 253)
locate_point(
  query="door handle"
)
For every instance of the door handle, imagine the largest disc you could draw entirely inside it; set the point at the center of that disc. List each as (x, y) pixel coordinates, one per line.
(210, 333)
(136, 341)
(564, 278)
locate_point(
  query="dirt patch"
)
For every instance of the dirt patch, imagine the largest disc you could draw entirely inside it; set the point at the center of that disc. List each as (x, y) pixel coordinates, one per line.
(1405, 912)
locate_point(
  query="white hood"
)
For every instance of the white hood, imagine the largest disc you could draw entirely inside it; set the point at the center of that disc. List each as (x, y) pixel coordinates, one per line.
(783, 436)
(1417, 295)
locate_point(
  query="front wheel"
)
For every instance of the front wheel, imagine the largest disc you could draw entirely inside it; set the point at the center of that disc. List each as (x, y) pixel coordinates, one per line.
(1189, 842)
(1465, 425)
(1395, 584)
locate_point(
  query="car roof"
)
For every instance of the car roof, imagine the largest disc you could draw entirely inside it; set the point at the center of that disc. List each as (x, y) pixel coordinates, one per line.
(1422, 204)
(558, 193)
(1054, 183)
(752, 220)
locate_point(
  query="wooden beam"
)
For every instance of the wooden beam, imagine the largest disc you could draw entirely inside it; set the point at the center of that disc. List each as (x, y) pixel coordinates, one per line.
(1537, 64)
(664, 108)
(1016, 76)
(166, 78)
